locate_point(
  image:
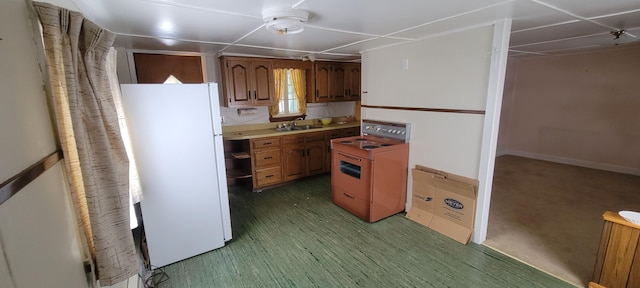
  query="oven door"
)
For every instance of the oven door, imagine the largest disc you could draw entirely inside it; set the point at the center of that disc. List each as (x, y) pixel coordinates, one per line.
(351, 183)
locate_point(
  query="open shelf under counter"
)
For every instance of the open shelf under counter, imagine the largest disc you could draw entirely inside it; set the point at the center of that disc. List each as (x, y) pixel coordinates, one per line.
(238, 174)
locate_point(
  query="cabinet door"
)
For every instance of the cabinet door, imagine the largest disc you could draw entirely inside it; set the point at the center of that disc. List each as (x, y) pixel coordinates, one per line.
(315, 157)
(156, 68)
(333, 134)
(322, 74)
(262, 83)
(293, 161)
(352, 79)
(336, 82)
(238, 86)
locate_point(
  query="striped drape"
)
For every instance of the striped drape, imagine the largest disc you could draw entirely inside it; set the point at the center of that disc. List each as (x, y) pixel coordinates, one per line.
(87, 126)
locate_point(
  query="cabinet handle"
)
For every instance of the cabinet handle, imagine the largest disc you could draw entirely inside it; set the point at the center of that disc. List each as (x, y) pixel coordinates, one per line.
(317, 93)
(269, 176)
(350, 157)
(265, 158)
(307, 151)
(249, 95)
(266, 143)
(255, 96)
(348, 196)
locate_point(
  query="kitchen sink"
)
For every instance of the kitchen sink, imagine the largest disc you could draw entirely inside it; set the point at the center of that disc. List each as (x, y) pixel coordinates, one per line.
(297, 128)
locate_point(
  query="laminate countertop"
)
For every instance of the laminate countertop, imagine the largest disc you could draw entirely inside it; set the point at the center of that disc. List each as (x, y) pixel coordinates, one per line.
(251, 131)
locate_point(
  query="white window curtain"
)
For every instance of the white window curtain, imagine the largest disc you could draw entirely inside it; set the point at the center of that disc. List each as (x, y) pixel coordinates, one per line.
(134, 182)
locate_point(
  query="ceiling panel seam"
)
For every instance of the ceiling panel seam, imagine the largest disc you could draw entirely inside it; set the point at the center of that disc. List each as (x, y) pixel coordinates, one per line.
(573, 14)
(449, 17)
(546, 26)
(558, 40)
(161, 2)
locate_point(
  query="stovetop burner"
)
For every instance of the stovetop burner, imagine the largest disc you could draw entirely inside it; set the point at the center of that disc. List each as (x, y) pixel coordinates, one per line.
(385, 144)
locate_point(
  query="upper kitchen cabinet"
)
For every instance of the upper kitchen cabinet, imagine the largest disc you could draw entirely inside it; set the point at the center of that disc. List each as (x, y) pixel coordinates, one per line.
(336, 82)
(247, 81)
(352, 80)
(158, 68)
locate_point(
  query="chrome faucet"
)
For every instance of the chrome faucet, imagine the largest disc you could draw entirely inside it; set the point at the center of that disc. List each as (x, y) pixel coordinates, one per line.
(293, 123)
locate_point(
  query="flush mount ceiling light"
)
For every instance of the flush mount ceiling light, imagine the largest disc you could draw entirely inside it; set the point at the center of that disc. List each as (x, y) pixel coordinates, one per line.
(285, 21)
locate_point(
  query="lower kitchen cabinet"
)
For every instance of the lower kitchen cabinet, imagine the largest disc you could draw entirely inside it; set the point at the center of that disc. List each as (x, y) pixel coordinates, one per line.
(237, 161)
(266, 161)
(303, 155)
(333, 134)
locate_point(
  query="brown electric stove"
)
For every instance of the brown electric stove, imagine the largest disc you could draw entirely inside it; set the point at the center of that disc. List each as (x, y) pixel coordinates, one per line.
(369, 172)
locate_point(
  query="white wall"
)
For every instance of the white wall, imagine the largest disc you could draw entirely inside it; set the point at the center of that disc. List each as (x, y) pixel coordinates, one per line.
(460, 71)
(37, 227)
(451, 72)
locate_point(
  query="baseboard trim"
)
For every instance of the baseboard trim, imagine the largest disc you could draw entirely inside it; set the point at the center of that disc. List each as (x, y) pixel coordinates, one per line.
(571, 161)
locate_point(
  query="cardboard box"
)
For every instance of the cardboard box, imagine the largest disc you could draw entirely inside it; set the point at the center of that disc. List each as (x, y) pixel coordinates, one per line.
(444, 202)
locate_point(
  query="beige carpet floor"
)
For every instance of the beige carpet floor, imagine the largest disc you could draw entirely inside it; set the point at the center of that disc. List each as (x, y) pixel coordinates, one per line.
(549, 215)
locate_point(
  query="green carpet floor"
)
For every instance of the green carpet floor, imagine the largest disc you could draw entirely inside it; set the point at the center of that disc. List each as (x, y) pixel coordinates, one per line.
(294, 236)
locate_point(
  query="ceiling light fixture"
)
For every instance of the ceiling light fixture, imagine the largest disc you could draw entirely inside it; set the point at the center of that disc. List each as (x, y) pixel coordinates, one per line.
(285, 21)
(617, 34)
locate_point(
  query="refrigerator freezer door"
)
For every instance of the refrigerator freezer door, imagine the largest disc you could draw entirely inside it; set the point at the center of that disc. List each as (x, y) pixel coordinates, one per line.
(172, 137)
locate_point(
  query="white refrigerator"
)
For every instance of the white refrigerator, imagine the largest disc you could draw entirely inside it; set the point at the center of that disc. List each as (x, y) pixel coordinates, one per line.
(176, 135)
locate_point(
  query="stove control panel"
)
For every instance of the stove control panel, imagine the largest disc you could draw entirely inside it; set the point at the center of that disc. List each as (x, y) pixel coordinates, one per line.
(392, 130)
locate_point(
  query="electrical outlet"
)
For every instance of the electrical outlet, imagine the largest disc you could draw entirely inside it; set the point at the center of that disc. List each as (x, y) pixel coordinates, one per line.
(405, 64)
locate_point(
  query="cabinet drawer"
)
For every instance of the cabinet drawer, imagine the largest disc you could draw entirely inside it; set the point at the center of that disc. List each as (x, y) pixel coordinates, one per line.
(314, 136)
(262, 143)
(348, 132)
(265, 158)
(268, 176)
(351, 203)
(333, 134)
(291, 139)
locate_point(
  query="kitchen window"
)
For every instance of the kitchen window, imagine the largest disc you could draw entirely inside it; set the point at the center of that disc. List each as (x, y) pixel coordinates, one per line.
(288, 104)
(290, 91)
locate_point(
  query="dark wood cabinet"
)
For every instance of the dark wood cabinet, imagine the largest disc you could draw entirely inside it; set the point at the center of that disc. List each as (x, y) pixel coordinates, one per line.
(322, 83)
(266, 161)
(353, 80)
(316, 155)
(157, 68)
(333, 134)
(336, 81)
(303, 155)
(247, 81)
(294, 157)
(338, 88)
